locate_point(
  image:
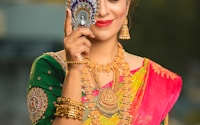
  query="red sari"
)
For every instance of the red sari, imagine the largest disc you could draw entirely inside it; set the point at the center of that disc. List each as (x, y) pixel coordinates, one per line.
(155, 91)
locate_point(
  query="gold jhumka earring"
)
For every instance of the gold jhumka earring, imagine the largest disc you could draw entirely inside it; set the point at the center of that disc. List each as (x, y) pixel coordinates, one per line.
(124, 32)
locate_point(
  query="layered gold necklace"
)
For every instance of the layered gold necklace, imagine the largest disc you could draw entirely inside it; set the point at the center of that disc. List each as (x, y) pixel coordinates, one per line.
(107, 100)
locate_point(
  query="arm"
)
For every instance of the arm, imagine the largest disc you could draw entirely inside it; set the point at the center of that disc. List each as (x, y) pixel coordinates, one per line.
(72, 80)
(45, 86)
(76, 47)
(41, 83)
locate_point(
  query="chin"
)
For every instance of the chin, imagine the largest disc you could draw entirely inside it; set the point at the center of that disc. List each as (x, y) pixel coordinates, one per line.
(104, 34)
(102, 38)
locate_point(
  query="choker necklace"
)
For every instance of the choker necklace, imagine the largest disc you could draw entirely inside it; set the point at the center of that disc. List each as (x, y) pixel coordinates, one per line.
(107, 101)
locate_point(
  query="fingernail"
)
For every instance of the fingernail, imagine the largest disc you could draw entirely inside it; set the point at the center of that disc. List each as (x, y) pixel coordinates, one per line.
(66, 11)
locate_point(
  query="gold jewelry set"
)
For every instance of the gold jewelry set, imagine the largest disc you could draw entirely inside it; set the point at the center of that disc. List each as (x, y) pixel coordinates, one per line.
(66, 107)
(107, 100)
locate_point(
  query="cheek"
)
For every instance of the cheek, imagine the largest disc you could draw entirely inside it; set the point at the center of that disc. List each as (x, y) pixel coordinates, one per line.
(121, 13)
(119, 10)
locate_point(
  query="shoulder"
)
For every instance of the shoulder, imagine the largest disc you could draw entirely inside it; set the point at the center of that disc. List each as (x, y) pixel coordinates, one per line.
(47, 61)
(162, 71)
(134, 61)
(43, 58)
(161, 83)
(49, 58)
(166, 80)
(158, 74)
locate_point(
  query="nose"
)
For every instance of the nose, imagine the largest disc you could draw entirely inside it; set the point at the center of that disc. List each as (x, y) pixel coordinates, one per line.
(103, 9)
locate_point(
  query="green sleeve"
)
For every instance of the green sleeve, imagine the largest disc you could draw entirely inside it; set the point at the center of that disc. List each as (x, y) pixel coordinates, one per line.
(45, 85)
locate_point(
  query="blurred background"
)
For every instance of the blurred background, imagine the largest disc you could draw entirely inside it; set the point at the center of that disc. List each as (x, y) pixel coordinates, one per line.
(166, 31)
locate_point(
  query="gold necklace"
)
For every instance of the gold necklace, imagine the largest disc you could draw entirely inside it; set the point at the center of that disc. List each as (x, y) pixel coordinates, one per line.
(106, 99)
(107, 103)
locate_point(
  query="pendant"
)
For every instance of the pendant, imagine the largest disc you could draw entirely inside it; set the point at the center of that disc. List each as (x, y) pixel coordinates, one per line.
(107, 102)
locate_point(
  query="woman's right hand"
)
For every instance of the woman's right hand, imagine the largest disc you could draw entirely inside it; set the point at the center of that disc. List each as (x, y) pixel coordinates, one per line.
(76, 44)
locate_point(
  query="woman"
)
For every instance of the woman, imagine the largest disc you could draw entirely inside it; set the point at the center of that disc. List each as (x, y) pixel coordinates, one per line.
(93, 81)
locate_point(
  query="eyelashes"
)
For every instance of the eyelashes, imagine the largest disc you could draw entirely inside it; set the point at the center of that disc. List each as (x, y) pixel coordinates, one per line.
(113, 0)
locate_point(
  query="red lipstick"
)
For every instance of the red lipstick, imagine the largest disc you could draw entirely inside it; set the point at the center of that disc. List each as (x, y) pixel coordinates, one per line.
(103, 23)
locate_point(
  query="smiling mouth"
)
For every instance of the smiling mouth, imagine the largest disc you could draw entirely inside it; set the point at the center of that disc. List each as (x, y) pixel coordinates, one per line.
(103, 23)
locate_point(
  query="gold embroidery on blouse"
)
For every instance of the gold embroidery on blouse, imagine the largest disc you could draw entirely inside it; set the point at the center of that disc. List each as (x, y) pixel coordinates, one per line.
(162, 71)
(37, 103)
(58, 59)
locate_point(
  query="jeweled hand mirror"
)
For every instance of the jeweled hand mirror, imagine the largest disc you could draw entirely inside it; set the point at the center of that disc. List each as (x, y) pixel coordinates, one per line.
(83, 12)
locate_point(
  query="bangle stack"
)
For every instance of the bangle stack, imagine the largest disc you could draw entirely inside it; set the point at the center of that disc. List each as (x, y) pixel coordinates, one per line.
(66, 107)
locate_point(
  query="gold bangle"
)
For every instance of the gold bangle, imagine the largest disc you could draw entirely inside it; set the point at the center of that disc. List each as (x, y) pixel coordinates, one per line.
(77, 62)
(69, 102)
(68, 112)
(66, 107)
(74, 62)
(74, 113)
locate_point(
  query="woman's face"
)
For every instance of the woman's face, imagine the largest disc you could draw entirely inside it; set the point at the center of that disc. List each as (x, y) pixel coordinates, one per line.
(111, 16)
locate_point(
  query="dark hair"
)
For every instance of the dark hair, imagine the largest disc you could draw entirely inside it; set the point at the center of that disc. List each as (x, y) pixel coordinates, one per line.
(133, 4)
